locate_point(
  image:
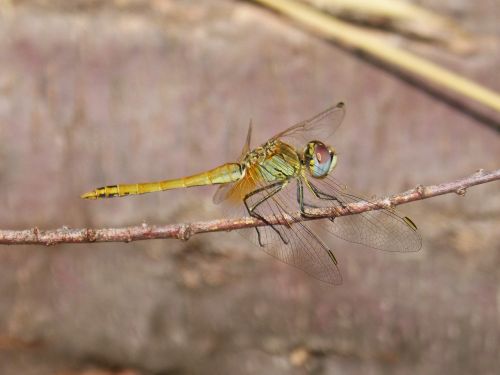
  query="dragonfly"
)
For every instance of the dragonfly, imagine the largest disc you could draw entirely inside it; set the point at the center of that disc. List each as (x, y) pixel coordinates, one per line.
(293, 172)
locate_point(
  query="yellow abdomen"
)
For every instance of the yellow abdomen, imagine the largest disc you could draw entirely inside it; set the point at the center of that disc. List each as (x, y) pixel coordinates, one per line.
(223, 174)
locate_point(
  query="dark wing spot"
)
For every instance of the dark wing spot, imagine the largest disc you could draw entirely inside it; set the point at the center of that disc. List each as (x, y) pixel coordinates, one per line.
(332, 257)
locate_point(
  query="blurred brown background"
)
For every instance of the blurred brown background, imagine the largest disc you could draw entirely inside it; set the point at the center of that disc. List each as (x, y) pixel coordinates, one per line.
(95, 93)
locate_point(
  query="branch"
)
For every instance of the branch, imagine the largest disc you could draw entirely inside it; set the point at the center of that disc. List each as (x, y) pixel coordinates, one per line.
(357, 39)
(36, 236)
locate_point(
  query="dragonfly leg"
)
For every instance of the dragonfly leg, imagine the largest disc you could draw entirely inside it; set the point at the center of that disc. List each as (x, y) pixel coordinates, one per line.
(325, 196)
(319, 194)
(300, 200)
(268, 191)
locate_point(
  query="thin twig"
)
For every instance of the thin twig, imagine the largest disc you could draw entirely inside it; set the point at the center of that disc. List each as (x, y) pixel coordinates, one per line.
(35, 236)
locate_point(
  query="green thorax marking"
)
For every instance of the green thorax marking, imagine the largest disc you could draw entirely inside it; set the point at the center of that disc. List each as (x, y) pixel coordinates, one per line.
(275, 161)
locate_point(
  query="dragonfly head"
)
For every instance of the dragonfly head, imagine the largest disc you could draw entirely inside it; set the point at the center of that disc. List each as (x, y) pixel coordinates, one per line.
(319, 159)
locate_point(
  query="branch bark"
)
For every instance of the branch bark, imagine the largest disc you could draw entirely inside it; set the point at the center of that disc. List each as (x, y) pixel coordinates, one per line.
(36, 236)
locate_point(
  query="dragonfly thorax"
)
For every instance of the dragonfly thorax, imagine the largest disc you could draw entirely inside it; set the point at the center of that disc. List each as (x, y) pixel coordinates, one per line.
(273, 161)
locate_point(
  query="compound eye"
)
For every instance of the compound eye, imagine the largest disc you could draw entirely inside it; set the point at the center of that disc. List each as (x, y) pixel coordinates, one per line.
(321, 159)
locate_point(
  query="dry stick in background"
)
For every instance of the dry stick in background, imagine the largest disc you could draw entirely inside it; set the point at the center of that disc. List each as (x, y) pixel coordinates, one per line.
(184, 231)
(402, 17)
(354, 37)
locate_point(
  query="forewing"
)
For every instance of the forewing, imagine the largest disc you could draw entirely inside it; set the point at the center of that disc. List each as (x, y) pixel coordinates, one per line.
(381, 229)
(319, 127)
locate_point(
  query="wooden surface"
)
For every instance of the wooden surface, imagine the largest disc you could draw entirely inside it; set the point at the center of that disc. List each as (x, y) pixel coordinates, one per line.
(143, 90)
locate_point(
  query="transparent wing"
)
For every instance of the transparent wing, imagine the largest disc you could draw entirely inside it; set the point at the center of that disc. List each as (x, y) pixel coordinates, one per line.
(246, 146)
(295, 244)
(319, 127)
(224, 191)
(380, 229)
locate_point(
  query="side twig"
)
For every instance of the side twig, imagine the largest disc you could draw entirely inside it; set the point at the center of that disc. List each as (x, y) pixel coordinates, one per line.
(35, 236)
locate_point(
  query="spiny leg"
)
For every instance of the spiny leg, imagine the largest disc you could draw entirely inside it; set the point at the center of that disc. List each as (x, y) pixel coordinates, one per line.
(270, 190)
(300, 200)
(319, 194)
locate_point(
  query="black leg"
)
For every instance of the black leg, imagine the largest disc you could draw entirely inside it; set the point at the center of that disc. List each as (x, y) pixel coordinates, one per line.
(269, 190)
(303, 204)
(319, 194)
(300, 199)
